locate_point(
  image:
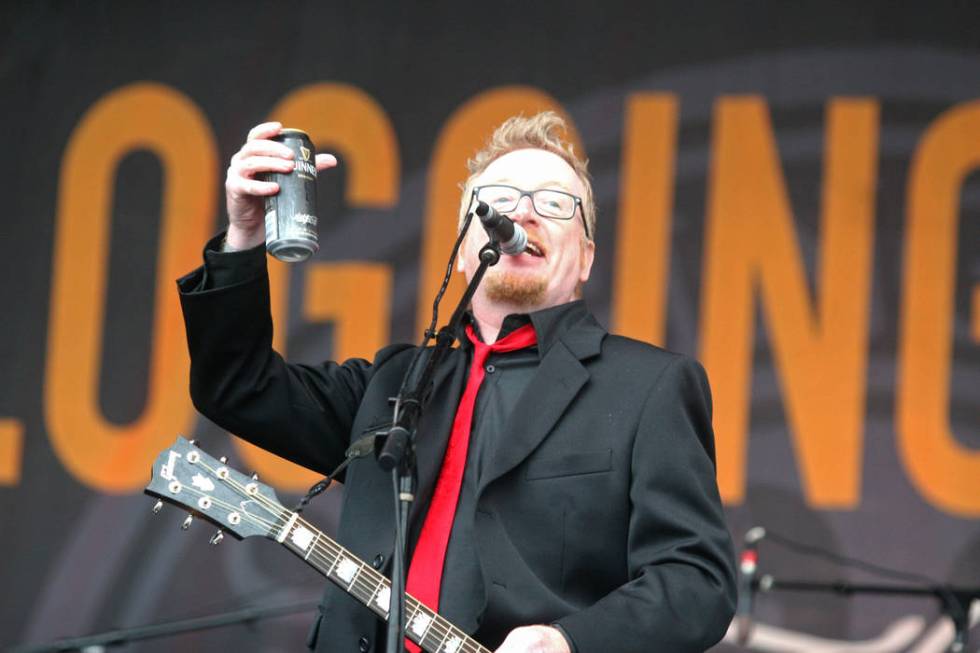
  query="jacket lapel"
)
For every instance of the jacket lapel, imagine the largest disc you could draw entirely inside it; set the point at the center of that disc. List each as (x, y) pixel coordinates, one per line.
(558, 380)
(436, 424)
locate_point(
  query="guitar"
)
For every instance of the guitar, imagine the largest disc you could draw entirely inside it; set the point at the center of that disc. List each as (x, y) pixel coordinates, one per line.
(189, 478)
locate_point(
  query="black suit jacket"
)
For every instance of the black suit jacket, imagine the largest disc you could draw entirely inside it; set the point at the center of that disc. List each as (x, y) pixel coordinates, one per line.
(602, 514)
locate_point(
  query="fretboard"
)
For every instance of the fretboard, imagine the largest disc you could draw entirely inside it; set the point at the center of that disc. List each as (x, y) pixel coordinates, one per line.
(369, 586)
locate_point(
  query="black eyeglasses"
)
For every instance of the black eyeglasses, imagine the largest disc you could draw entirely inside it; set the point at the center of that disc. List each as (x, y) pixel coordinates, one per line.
(548, 203)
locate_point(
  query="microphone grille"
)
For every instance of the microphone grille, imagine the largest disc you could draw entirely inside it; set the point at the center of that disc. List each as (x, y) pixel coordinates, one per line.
(517, 244)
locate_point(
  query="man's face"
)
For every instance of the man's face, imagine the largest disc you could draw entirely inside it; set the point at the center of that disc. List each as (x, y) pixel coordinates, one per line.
(552, 274)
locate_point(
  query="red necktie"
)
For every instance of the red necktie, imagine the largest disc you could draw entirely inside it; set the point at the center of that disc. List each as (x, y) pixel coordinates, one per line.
(425, 572)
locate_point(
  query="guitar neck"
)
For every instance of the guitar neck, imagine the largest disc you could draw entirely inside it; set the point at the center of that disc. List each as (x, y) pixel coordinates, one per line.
(426, 628)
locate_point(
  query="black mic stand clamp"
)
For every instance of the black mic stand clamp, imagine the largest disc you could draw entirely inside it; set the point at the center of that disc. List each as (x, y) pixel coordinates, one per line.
(397, 454)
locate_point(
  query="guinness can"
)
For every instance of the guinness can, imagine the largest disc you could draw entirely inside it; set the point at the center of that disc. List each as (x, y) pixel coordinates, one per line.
(290, 215)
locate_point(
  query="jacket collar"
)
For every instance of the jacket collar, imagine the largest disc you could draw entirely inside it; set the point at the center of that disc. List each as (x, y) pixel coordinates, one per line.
(569, 323)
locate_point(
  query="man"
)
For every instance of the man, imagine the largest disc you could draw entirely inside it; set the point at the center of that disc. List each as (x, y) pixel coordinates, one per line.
(576, 467)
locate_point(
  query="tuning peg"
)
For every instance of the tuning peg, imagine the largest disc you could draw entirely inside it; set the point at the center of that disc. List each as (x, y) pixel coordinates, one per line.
(217, 537)
(223, 459)
(158, 506)
(187, 522)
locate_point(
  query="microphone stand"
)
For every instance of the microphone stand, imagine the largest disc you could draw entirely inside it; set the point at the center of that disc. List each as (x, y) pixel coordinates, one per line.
(397, 454)
(954, 601)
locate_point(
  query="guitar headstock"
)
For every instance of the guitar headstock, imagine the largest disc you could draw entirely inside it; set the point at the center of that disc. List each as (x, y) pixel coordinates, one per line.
(187, 477)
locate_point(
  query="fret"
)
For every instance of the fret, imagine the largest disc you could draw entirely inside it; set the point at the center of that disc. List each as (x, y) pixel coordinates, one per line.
(333, 563)
(451, 643)
(357, 574)
(347, 570)
(323, 561)
(420, 623)
(361, 586)
(316, 541)
(251, 508)
(439, 647)
(412, 608)
(445, 642)
(380, 599)
(284, 531)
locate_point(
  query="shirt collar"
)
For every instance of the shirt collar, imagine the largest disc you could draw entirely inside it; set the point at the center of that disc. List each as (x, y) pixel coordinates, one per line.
(549, 323)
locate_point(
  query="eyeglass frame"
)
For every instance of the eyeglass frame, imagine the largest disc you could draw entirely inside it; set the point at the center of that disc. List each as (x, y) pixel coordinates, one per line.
(530, 194)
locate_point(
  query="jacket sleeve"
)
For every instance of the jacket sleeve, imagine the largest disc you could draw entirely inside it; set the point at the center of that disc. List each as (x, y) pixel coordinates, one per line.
(681, 593)
(303, 413)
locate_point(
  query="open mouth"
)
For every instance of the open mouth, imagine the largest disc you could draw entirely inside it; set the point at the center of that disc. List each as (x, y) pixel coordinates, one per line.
(533, 249)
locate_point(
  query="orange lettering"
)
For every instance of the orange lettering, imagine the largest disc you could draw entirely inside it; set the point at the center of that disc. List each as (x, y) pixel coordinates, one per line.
(356, 297)
(11, 450)
(144, 116)
(343, 119)
(820, 346)
(943, 470)
(976, 314)
(643, 231)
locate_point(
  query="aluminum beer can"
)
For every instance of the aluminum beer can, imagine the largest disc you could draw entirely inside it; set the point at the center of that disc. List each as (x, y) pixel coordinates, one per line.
(290, 215)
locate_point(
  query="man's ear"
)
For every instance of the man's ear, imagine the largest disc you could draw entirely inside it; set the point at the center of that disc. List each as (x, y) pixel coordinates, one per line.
(588, 257)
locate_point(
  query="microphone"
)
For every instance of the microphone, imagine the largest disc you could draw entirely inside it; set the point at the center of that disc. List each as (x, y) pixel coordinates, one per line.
(747, 568)
(510, 235)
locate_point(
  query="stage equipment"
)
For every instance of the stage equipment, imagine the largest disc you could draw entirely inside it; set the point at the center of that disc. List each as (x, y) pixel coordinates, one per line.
(188, 477)
(510, 235)
(954, 602)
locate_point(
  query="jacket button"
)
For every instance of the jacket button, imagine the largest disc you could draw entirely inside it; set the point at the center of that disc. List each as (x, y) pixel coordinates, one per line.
(378, 561)
(364, 645)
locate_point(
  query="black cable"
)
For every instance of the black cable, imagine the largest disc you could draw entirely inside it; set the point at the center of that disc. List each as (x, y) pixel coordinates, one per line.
(430, 332)
(918, 579)
(318, 488)
(361, 447)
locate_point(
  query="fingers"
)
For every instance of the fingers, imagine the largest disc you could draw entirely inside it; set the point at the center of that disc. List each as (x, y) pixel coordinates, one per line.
(260, 155)
(243, 186)
(243, 170)
(265, 130)
(264, 148)
(324, 161)
(252, 165)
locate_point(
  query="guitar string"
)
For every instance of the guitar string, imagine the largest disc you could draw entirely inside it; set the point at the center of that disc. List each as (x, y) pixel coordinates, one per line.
(367, 581)
(227, 506)
(278, 512)
(368, 591)
(329, 551)
(281, 513)
(440, 627)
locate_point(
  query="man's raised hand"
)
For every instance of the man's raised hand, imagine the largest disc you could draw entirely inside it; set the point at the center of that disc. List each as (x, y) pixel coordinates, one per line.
(245, 195)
